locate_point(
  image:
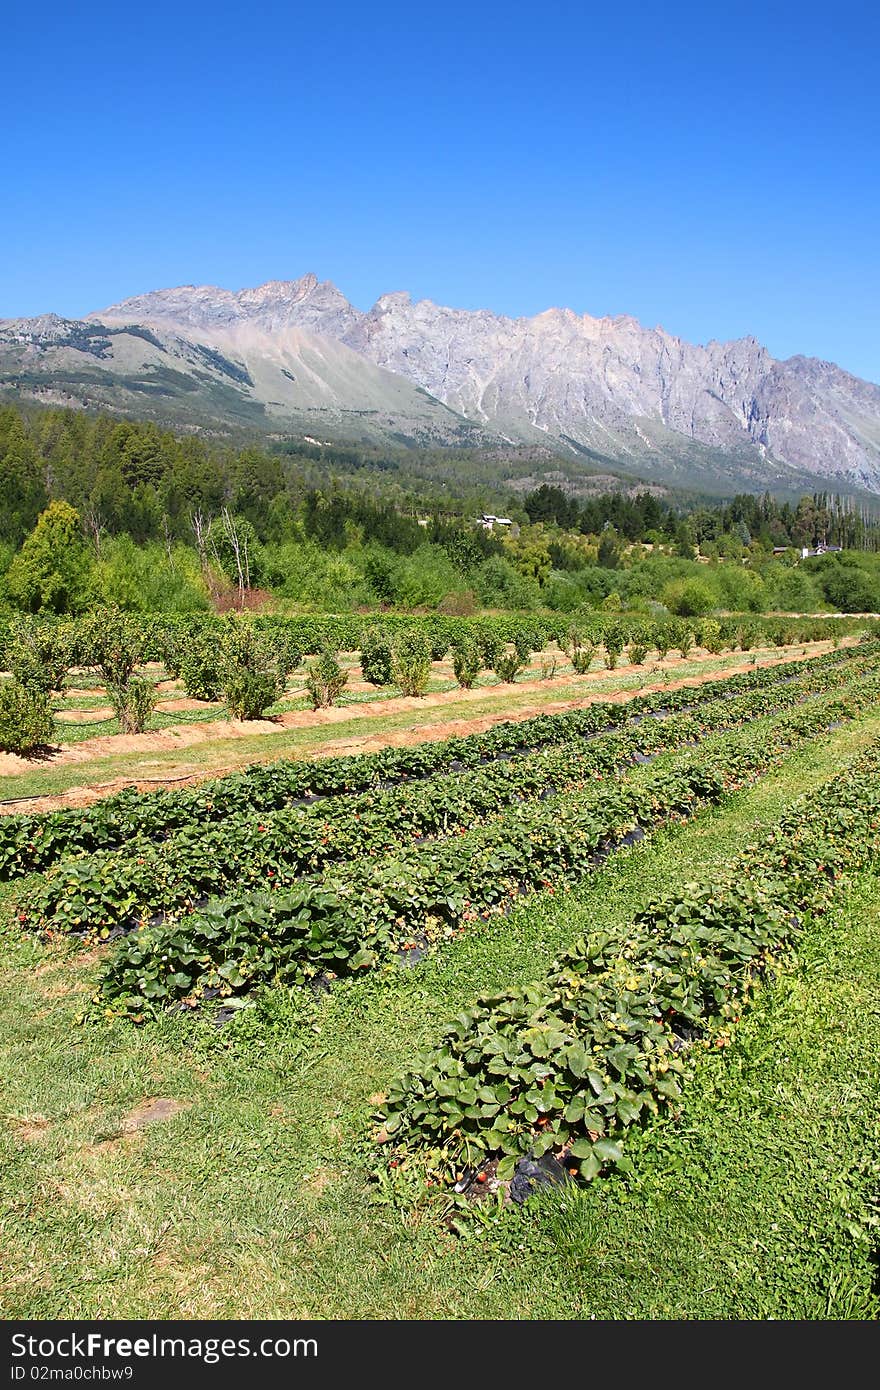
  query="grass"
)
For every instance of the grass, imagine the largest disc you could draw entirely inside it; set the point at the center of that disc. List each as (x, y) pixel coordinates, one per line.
(255, 1200)
(216, 754)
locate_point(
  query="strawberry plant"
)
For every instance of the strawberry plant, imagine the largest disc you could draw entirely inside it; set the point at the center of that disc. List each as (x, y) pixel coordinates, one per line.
(568, 1064)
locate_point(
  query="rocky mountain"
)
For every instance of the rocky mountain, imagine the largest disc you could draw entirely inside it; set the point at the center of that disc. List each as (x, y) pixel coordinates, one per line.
(293, 355)
(287, 380)
(637, 396)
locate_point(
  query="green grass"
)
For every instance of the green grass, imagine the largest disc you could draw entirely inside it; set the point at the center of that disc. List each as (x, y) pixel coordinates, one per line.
(256, 1201)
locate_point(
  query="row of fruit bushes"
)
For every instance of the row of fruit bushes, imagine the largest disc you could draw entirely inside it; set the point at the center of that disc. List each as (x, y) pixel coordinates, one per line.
(31, 842)
(562, 1068)
(370, 909)
(99, 892)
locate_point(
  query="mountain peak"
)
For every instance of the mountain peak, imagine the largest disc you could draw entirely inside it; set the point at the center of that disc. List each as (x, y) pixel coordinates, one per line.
(608, 386)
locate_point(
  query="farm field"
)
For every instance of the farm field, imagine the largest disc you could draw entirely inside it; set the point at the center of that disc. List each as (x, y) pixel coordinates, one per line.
(221, 1006)
(194, 738)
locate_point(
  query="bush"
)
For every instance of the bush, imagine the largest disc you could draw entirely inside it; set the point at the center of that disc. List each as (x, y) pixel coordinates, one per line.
(249, 693)
(613, 641)
(199, 662)
(689, 598)
(116, 643)
(376, 656)
(682, 638)
(710, 636)
(325, 679)
(460, 604)
(490, 646)
(254, 665)
(662, 641)
(411, 663)
(744, 639)
(25, 718)
(113, 641)
(571, 640)
(133, 703)
(466, 662)
(38, 654)
(637, 652)
(548, 667)
(508, 666)
(582, 658)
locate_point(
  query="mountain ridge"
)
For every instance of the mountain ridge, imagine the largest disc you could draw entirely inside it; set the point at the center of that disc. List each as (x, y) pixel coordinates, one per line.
(603, 383)
(294, 356)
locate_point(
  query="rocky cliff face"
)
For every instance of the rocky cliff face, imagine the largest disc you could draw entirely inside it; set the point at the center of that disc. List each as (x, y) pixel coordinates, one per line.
(609, 386)
(207, 363)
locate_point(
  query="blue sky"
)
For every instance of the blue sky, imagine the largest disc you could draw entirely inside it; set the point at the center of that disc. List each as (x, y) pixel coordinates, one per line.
(713, 169)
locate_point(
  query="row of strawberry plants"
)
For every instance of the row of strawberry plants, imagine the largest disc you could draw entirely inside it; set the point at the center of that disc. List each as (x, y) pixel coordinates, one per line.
(33, 842)
(99, 892)
(365, 911)
(566, 1065)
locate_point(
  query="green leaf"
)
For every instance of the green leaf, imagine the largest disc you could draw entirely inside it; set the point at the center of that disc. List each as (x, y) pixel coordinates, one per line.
(607, 1151)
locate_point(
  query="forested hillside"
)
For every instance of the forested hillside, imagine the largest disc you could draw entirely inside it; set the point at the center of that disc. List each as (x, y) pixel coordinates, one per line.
(155, 522)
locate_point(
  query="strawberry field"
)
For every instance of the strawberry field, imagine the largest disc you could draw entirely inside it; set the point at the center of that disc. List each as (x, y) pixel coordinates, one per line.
(452, 997)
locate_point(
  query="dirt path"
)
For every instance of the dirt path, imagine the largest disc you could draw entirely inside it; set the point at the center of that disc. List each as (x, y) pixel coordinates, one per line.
(193, 735)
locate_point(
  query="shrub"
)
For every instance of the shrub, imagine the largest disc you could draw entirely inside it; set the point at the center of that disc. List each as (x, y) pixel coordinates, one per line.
(376, 656)
(254, 665)
(662, 641)
(38, 654)
(613, 640)
(490, 645)
(115, 642)
(508, 666)
(571, 640)
(548, 667)
(744, 639)
(689, 598)
(637, 652)
(133, 703)
(249, 693)
(466, 662)
(582, 658)
(411, 663)
(25, 718)
(462, 603)
(710, 636)
(199, 663)
(682, 638)
(522, 645)
(325, 679)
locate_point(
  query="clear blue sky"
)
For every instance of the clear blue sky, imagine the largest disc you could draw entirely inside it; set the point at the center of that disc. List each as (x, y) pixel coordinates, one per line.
(711, 168)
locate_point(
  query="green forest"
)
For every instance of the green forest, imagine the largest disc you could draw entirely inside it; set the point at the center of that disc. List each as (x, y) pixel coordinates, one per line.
(97, 510)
